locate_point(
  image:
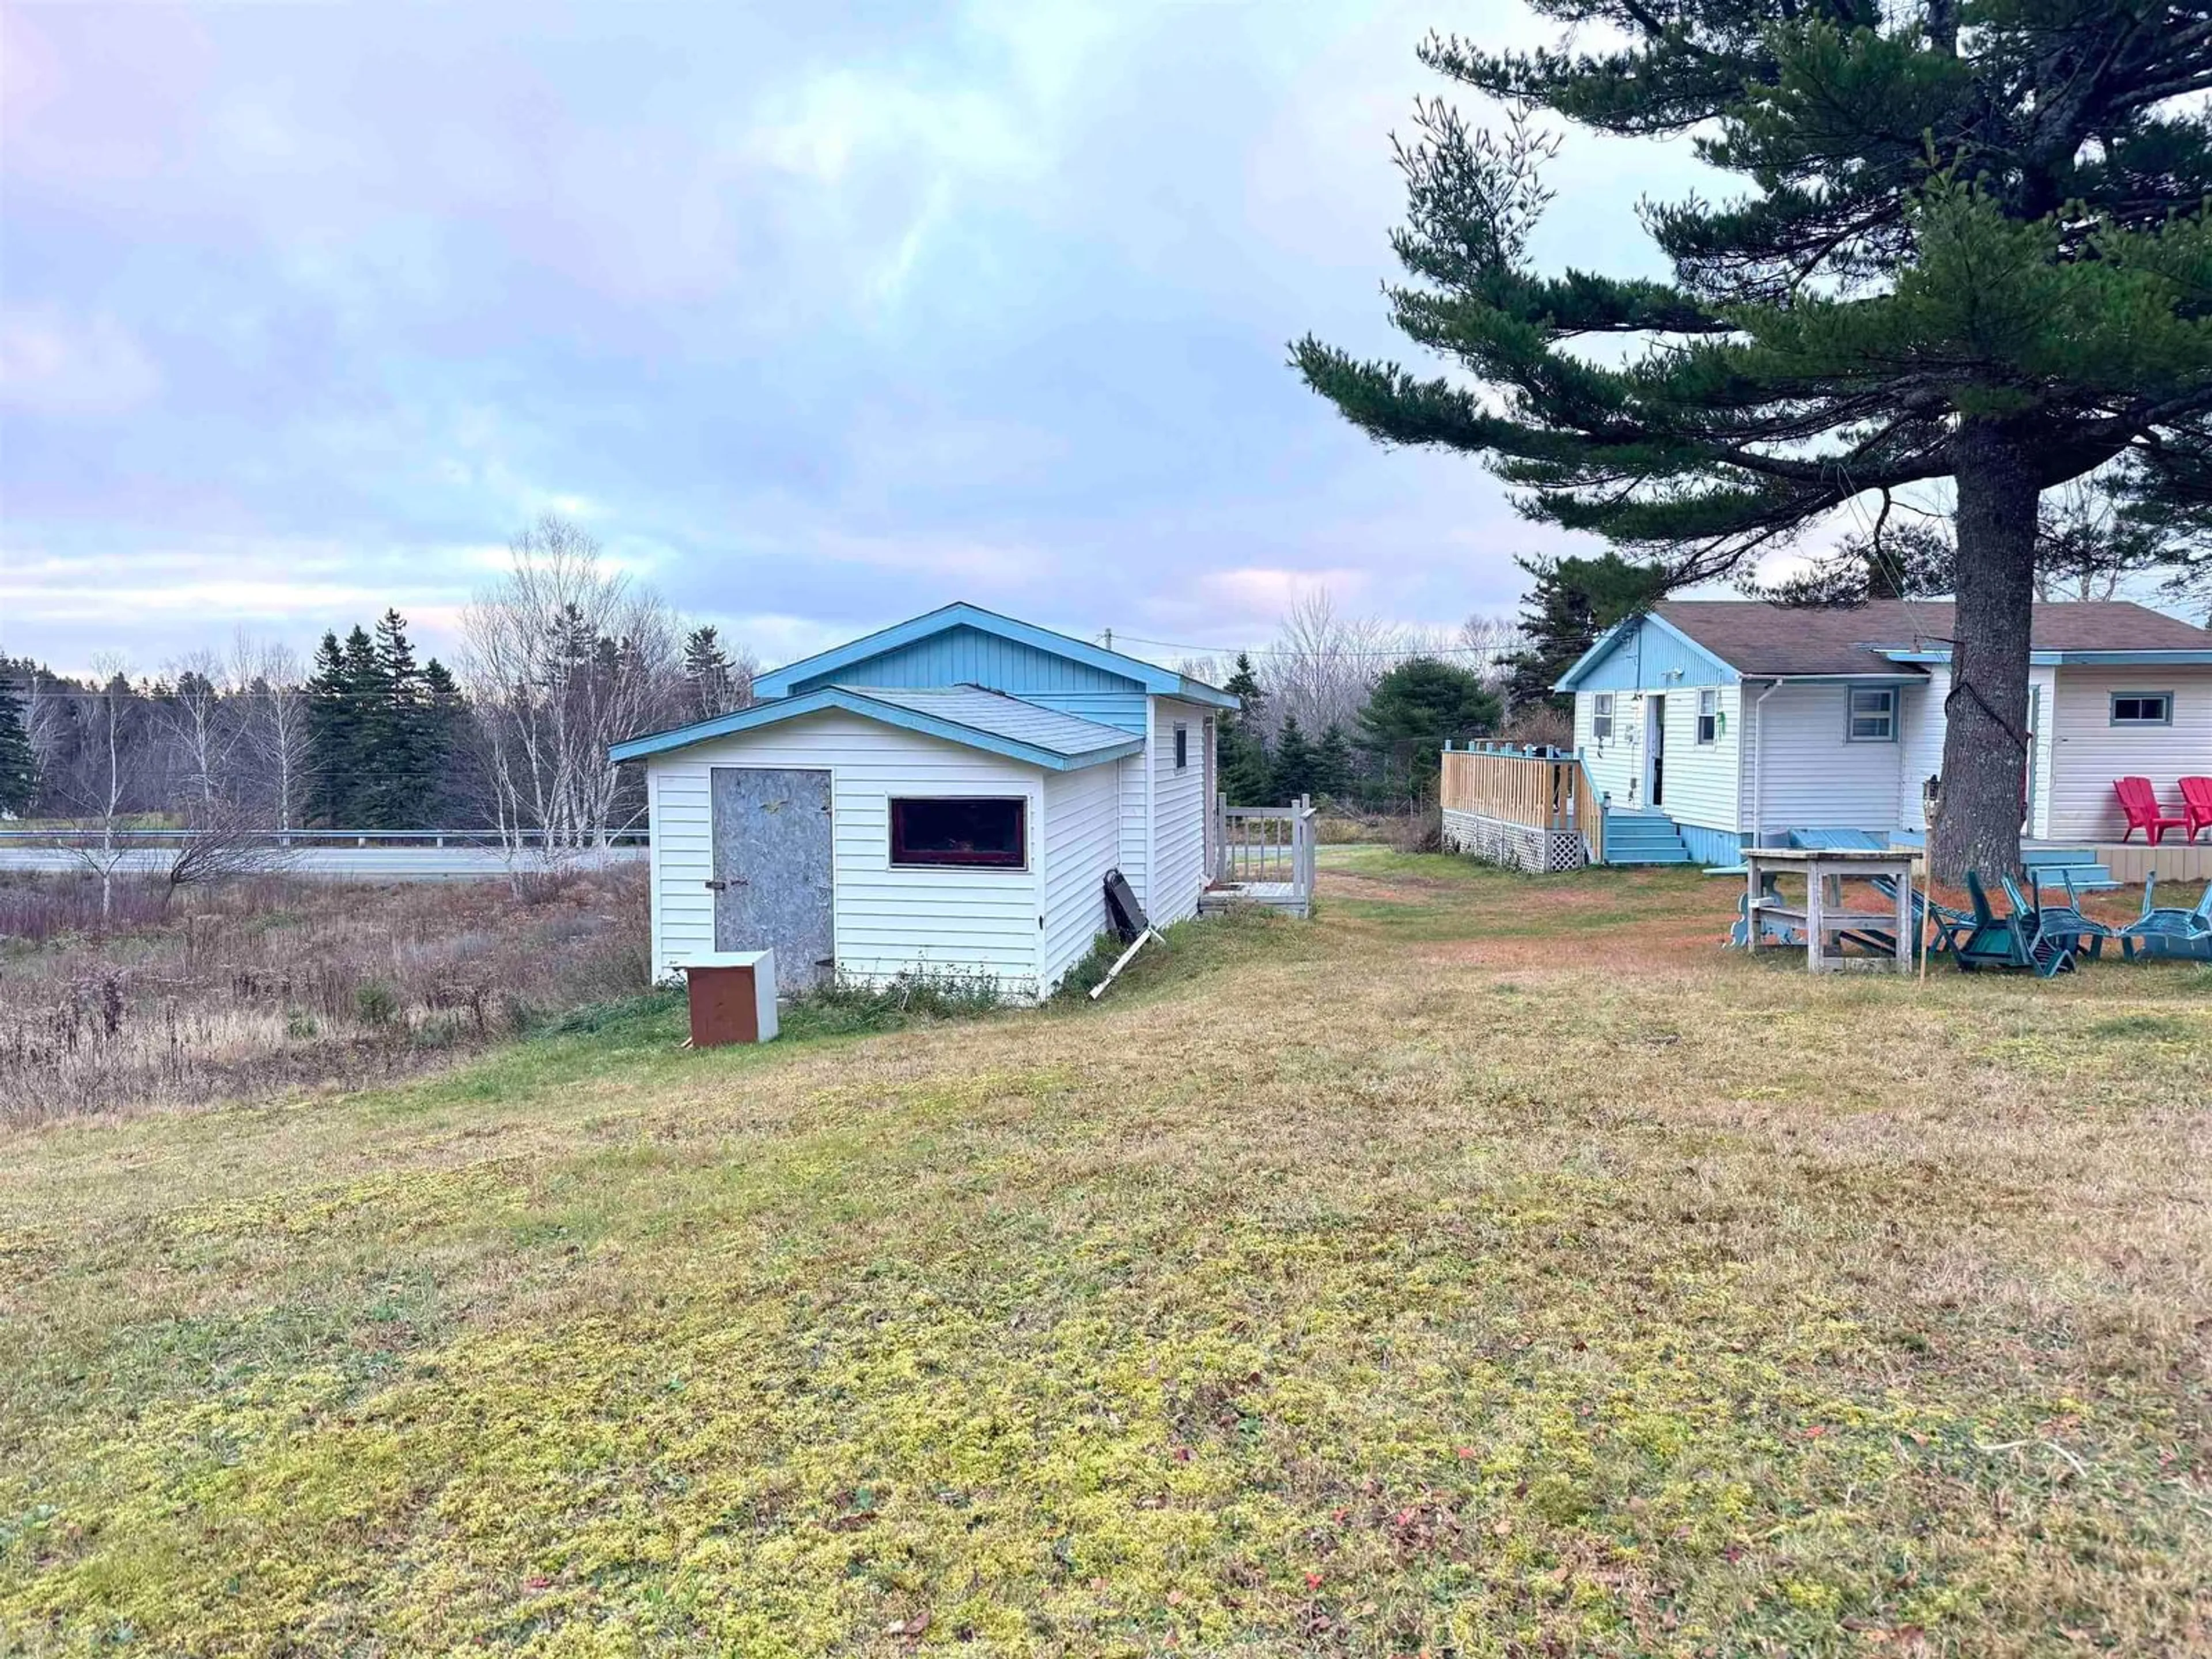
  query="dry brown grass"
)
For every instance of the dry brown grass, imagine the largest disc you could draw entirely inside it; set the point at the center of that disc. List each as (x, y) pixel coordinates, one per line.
(1493, 1268)
(258, 987)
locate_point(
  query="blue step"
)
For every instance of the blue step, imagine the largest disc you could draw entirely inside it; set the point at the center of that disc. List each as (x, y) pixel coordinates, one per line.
(2055, 863)
(1632, 837)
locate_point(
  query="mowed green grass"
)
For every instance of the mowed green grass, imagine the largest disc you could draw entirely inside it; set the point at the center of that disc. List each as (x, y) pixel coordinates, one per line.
(1491, 1268)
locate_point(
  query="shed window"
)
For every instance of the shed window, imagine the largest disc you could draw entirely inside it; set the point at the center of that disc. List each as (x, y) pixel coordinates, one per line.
(1601, 718)
(2142, 707)
(989, 833)
(1874, 716)
(1709, 716)
(1182, 747)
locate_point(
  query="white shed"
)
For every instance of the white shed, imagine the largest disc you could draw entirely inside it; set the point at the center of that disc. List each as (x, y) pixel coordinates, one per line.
(946, 796)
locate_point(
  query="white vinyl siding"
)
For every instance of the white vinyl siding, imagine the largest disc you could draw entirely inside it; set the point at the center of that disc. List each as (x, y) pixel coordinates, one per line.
(887, 920)
(1922, 713)
(1700, 782)
(1082, 843)
(1176, 873)
(1797, 761)
(2090, 752)
(1136, 774)
(1616, 767)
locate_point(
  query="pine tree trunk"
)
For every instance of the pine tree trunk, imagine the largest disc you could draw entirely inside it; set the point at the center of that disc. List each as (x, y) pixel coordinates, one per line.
(1984, 737)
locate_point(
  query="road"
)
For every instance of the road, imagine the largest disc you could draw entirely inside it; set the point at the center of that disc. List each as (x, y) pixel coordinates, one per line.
(337, 863)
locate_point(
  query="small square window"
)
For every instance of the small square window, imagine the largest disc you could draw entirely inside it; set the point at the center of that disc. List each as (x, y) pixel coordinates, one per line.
(985, 834)
(1182, 747)
(1873, 716)
(1601, 718)
(1709, 716)
(2142, 707)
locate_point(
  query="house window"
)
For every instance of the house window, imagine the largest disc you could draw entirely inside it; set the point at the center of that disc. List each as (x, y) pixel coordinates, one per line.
(1874, 716)
(988, 833)
(1709, 716)
(1182, 747)
(2142, 707)
(1601, 718)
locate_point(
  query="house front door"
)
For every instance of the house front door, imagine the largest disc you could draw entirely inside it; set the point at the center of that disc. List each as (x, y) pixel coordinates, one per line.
(1654, 751)
(774, 882)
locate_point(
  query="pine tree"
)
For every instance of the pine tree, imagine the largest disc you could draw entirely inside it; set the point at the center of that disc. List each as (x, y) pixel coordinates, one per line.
(1240, 750)
(19, 764)
(710, 686)
(333, 745)
(1972, 249)
(1332, 764)
(1414, 707)
(1296, 764)
(1569, 604)
(395, 725)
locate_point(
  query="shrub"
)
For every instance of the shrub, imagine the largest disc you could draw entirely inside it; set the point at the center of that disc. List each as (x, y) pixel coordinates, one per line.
(376, 1003)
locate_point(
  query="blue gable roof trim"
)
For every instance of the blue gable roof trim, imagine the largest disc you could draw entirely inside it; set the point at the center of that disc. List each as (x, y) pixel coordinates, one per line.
(1023, 732)
(964, 643)
(1645, 654)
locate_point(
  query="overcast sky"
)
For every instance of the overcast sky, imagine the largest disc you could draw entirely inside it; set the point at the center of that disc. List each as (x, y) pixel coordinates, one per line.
(818, 315)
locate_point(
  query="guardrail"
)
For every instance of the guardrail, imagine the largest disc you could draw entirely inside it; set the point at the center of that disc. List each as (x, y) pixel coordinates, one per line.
(66, 836)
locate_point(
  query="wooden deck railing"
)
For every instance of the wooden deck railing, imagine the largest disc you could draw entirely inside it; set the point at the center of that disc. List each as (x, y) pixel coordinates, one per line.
(1264, 845)
(1544, 792)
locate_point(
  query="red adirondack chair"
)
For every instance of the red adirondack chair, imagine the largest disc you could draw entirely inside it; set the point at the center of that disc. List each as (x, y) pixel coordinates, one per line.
(2197, 804)
(2140, 802)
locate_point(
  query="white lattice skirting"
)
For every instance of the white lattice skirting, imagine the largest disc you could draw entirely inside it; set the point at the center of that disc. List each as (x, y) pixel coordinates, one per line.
(1517, 846)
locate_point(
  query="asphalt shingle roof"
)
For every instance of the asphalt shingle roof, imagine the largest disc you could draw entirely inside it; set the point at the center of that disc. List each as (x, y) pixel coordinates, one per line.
(1754, 637)
(998, 715)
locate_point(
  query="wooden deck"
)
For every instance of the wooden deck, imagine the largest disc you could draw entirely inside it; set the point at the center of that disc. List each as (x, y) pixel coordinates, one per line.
(1260, 855)
(1287, 897)
(2131, 861)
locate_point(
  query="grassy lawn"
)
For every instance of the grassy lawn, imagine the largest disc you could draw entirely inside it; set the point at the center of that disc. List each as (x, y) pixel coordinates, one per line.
(1492, 1268)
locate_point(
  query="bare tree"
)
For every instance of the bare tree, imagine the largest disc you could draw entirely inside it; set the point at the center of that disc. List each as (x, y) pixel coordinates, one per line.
(106, 769)
(1483, 644)
(266, 676)
(1323, 664)
(222, 843)
(200, 723)
(564, 658)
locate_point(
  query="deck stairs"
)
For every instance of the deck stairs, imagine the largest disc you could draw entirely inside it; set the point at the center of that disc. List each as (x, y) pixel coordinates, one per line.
(1642, 837)
(2055, 863)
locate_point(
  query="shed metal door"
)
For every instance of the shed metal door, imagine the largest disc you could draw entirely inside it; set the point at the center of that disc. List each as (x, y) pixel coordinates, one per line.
(773, 880)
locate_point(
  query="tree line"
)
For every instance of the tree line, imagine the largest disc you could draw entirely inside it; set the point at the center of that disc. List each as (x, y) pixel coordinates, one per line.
(559, 658)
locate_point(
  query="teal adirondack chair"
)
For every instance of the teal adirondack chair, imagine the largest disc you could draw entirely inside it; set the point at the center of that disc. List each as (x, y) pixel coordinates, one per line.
(2066, 921)
(1950, 925)
(1997, 941)
(2168, 930)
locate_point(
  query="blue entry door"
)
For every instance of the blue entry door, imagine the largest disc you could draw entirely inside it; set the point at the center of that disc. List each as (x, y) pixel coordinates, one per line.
(774, 882)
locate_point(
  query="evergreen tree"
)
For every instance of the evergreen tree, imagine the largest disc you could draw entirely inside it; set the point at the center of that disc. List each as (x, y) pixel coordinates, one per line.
(1332, 764)
(19, 764)
(1973, 248)
(1414, 708)
(333, 744)
(1297, 767)
(710, 686)
(1569, 604)
(1239, 750)
(398, 772)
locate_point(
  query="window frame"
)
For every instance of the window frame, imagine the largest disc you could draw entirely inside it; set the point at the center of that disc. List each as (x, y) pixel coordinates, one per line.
(2115, 699)
(896, 826)
(1892, 713)
(1602, 715)
(1708, 715)
(1182, 746)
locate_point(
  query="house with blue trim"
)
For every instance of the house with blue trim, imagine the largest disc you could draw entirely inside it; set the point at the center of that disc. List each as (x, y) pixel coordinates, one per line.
(945, 796)
(1710, 726)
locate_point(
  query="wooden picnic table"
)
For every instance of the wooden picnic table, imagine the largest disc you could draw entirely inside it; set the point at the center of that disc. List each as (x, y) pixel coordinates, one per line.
(1822, 915)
